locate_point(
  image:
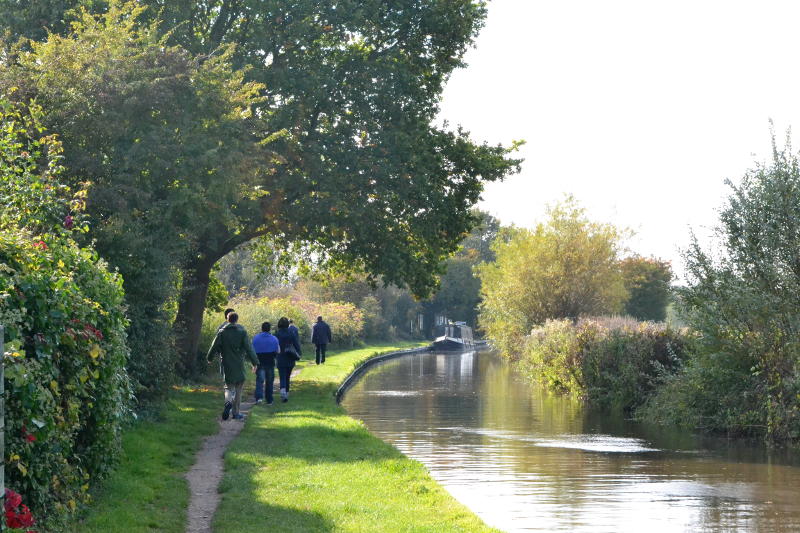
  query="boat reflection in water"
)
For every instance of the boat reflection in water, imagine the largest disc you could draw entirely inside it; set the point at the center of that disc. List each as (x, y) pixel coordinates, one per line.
(526, 460)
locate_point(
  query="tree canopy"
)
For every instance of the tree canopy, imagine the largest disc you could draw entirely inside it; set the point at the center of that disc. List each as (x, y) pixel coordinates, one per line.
(203, 125)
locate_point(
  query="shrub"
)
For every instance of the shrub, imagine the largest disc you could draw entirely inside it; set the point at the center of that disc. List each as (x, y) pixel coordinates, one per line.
(743, 300)
(345, 319)
(67, 390)
(608, 362)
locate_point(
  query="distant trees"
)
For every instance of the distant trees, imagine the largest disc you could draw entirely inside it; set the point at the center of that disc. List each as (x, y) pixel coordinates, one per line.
(568, 266)
(647, 281)
(459, 292)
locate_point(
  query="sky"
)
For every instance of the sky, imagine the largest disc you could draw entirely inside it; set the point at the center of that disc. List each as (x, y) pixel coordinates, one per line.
(640, 109)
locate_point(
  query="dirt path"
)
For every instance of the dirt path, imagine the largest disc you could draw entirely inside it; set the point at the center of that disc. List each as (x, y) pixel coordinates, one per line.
(206, 473)
(208, 468)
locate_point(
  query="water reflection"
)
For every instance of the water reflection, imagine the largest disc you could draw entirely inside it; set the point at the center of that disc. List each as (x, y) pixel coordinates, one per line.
(525, 460)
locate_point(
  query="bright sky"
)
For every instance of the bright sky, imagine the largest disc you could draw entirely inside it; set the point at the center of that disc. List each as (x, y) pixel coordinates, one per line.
(641, 109)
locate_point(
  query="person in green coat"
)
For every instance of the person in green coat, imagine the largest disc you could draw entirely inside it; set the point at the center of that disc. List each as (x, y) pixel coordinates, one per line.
(233, 344)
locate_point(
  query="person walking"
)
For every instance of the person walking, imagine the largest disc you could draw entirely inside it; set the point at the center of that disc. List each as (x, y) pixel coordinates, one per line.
(225, 313)
(266, 346)
(320, 337)
(233, 345)
(289, 353)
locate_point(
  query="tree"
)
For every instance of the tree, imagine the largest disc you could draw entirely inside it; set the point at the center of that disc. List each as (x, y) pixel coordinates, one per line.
(566, 267)
(159, 136)
(355, 172)
(647, 282)
(745, 375)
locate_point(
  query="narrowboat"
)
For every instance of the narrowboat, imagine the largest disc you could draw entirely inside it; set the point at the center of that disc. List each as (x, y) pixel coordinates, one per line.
(453, 337)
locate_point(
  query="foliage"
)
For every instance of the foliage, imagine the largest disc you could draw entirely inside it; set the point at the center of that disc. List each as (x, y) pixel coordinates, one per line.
(351, 172)
(161, 136)
(647, 281)
(609, 362)
(745, 376)
(63, 313)
(565, 268)
(345, 319)
(217, 295)
(459, 294)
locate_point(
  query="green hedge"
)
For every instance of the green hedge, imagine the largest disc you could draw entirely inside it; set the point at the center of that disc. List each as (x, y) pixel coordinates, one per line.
(67, 391)
(609, 362)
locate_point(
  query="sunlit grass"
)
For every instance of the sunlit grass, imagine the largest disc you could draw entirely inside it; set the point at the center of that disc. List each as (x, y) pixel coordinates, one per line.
(307, 466)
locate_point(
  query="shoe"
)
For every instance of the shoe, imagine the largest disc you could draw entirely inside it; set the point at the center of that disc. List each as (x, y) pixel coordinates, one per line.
(238, 416)
(259, 401)
(269, 402)
(226, 413)
(284, 400)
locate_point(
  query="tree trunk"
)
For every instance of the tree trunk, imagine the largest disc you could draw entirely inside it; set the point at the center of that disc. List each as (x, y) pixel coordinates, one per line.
(189, 320)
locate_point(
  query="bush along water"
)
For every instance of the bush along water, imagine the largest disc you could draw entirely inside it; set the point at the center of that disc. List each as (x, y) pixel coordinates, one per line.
(66, 388)
(612, 363)
(742, 299)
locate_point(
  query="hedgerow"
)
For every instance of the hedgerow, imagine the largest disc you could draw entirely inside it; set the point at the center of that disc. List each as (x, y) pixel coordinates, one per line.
(66, 388)
(608, 362)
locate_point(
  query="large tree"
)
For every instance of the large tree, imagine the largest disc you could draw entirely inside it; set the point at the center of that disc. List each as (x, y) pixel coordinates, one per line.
(355, 170)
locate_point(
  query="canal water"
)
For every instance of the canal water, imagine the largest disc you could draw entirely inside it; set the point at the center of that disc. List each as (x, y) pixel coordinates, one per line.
(526, 460)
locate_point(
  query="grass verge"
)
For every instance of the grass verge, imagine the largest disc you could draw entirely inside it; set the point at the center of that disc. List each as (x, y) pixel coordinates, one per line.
(147, 491)
(307, 466)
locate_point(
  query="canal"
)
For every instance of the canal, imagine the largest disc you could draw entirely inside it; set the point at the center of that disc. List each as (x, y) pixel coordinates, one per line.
(527, 460)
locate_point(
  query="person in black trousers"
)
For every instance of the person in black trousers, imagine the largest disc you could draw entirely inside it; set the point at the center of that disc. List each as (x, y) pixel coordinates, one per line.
(321, 336)
(289, 353)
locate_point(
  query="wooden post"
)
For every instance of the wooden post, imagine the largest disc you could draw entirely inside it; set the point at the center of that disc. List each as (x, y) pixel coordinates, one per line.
(2, 422)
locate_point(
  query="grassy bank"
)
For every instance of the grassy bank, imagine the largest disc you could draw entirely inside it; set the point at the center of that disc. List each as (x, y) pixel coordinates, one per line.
(147, 491)
(307, 466)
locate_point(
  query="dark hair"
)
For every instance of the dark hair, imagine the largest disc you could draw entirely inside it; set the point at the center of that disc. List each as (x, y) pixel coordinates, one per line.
(319, 319)
(283, 322)
(266, 326)
(228, 310)
(233, 318)
(291, 321)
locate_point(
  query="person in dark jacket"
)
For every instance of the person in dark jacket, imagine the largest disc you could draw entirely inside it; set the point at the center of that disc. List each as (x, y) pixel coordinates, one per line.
(225, 313)
(233, 345)
(321, 336)
(289, 353)
(266, 346)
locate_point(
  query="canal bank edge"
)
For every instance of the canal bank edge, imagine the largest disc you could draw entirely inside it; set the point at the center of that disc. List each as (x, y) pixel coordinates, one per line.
(381, 357)
(350, 380)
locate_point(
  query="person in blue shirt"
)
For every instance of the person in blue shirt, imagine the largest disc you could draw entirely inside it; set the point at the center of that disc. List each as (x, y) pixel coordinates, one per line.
(266, 346)
(290, 352)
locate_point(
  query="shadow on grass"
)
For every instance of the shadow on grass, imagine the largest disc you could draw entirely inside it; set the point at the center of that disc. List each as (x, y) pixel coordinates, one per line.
(259, 517)
(310, 428)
